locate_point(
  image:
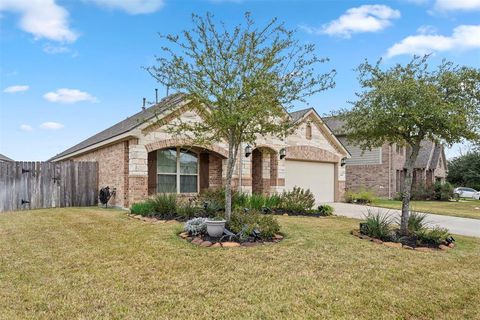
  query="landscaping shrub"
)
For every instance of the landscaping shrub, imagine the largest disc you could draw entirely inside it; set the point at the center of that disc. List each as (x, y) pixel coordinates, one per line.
(434, 236)
(377, 224)
(256, 202)
(361, 197)
(253, 219)
(144, 208)
(416, 222)
(212, 208)
(164, 205)
(422, 192)
(240, 200)
(442, 191)
(214, 195)
(325, 210)
(188, 210)
(273, 201)
(297, 200)
(196, 226)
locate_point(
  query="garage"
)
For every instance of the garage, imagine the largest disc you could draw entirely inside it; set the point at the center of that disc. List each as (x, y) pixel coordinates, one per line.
(319, 177)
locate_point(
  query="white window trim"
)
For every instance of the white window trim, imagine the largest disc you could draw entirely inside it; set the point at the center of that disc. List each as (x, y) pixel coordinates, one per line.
(178, 173)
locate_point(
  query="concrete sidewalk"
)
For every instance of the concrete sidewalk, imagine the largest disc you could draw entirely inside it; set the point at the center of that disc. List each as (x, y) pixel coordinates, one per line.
(456, 225)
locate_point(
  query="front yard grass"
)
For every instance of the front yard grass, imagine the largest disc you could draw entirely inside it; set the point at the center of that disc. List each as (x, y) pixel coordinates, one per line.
(97, 263)
(462, 208)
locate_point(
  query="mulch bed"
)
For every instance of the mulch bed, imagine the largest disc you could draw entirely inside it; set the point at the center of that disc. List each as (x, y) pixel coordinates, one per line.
(209, 242)
(408, 244)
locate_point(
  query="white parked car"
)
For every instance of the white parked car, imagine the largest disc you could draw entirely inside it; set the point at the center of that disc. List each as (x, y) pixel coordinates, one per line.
(464, 192)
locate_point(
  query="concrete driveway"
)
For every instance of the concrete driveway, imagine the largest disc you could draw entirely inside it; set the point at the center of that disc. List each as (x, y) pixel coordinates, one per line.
(456, 225)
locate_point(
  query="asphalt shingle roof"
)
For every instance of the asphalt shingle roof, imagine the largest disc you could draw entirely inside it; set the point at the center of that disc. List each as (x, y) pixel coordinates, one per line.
(335, 124)
(297, 115)
(127, 124)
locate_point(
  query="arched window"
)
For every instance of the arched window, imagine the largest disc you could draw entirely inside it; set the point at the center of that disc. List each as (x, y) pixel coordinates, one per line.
(177, 171)
(308, 132)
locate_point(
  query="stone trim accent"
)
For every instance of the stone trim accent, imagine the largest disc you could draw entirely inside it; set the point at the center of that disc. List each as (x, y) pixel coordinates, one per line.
(176, 142)
(309, 153)
(311, 117)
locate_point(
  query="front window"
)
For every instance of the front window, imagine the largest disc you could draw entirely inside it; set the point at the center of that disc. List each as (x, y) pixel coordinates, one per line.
(177, 171)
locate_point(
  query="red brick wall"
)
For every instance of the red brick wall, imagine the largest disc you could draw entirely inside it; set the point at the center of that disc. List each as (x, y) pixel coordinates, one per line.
(214, 171)
(257, 172)
(112, 169)
(137, 189)
(370, 177)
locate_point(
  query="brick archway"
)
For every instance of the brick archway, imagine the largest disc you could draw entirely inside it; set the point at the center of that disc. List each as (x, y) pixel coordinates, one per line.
(264, 169)
(177, 142)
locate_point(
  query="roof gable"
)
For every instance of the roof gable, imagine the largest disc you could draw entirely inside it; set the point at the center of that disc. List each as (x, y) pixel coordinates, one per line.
(304, 115)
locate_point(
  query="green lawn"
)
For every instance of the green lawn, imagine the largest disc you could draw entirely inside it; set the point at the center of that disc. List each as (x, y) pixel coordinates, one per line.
(463, 208)
(87, 263)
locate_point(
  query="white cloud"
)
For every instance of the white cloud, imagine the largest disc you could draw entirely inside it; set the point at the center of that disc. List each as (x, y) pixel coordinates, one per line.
(464, 37)
(15, 89)
(131, 6)
(51, 125)
(427, 29)
(366, 18)
(26, 127)
(42, 18)
(417, 2)
(51, 49)
(65, 95)
(461, 5)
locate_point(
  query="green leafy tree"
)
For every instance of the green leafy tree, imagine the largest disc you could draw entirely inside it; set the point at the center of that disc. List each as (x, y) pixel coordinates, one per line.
(248, 76)
(406, 104)
(464, 171)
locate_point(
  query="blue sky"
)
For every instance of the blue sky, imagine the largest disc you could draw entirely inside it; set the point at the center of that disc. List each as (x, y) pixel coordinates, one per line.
(69, 69)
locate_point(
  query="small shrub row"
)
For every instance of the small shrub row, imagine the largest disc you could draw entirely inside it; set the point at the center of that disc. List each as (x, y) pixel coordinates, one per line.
(440, 191)
(211, 203)
(361, 197)
(169, 206)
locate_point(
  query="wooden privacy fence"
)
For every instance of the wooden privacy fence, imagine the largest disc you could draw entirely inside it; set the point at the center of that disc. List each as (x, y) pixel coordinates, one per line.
(32, 185)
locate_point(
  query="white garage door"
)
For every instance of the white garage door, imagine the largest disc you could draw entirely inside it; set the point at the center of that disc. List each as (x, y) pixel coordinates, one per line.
(316, 176)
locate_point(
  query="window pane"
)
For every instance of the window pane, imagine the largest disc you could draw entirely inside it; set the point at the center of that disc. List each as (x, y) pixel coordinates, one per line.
(167, 183)
(167, 161)
(188, 162)
(188, 184)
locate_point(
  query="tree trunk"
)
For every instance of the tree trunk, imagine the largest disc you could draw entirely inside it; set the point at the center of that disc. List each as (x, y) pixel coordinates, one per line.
(232, 156)
(407, 188)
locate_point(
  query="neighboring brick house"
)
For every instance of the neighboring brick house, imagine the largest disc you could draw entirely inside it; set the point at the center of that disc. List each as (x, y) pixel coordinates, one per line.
(382, 170)
(140, 157)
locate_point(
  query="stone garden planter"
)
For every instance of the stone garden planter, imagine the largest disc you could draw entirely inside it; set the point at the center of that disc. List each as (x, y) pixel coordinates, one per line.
(215, 228)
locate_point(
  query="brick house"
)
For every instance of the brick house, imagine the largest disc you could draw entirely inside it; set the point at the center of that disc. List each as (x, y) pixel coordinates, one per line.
(139, 157)
(382, 170)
